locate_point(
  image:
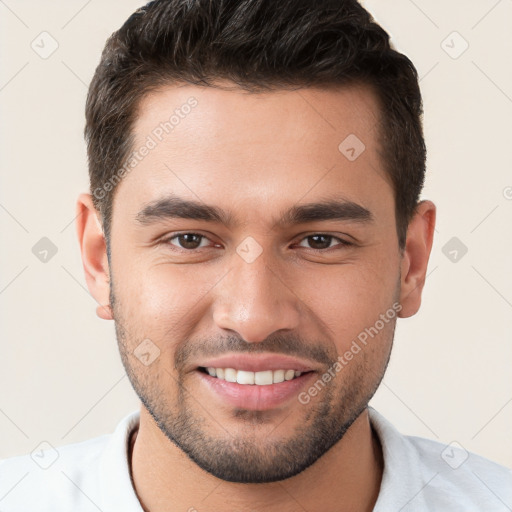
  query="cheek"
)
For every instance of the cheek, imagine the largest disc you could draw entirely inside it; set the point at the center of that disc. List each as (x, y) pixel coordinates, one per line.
(351, 297)
(161, 301)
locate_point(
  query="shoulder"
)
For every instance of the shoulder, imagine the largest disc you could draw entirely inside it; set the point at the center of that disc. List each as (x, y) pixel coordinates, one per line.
(82, 477)
(461, 472)
(423, 474)
(51, 478)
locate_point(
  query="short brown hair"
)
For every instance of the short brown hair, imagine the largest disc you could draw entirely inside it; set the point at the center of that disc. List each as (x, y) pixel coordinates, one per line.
(258, 45)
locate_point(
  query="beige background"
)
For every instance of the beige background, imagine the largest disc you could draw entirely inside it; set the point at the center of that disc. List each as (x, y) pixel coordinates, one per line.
(449, 379)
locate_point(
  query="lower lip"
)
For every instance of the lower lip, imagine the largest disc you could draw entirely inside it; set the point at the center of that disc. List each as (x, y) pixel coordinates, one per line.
(254, 397)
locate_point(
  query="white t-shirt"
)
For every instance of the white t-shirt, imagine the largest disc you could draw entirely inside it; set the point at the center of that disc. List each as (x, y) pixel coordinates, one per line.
(91, 476)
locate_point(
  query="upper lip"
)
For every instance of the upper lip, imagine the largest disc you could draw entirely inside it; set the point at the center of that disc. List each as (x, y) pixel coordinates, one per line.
(258, 363)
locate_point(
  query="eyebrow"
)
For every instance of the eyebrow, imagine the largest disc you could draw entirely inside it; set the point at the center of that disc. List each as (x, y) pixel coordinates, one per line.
(174, 207)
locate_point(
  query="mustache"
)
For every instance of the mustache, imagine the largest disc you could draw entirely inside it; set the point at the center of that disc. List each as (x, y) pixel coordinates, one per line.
(290, 345)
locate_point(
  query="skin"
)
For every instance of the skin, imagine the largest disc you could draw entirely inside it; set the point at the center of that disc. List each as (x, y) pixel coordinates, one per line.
(255, 155)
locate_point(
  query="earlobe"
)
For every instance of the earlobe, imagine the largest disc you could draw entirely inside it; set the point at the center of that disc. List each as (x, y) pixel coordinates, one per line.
(94, 254)
(420, 236)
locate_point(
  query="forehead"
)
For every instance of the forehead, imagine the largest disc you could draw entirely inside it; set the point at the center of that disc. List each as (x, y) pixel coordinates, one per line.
(252, 151)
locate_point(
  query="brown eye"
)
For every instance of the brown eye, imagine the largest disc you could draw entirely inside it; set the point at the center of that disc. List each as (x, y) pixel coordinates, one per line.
(188, 241)
(322, 241)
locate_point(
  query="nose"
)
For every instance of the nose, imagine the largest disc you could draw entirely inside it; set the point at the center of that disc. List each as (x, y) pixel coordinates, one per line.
(255, 299)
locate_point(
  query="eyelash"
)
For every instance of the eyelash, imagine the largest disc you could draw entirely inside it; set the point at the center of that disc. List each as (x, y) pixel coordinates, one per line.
(343, 243)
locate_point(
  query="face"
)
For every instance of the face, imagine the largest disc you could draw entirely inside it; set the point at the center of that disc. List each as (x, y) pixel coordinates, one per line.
(287, 257)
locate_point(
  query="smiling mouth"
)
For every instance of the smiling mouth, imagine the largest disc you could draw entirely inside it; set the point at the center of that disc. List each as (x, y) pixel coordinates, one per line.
(261, 378)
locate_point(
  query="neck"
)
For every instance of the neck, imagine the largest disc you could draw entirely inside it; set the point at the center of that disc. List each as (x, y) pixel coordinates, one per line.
(346, 478)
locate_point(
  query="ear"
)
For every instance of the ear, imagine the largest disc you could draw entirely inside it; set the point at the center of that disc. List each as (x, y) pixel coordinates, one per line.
(420, 235)
(93, 249)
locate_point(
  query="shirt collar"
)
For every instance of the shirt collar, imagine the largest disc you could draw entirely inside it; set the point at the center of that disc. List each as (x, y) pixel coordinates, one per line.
(402, 477)
(116, 487)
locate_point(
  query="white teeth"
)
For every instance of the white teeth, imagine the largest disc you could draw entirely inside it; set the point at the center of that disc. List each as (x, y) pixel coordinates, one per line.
(278, 376)
(263, 378)
(245, 377)
(230, 375)
(289, 374)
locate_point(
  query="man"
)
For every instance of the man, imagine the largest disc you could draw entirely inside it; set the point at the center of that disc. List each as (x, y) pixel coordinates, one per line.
(254, 230)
